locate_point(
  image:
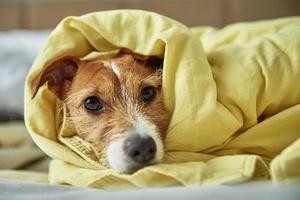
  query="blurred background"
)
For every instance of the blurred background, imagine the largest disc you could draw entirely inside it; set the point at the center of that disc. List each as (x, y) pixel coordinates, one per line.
(45, 14)
(25, 25)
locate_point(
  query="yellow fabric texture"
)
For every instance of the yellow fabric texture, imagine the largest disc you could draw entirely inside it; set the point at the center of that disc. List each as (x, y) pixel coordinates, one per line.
(17, 151)
(235, 106)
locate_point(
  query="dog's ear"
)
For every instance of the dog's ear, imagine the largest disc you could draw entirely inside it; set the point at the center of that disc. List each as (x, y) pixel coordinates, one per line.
(58, 74)
(152, 61)
(155, 62)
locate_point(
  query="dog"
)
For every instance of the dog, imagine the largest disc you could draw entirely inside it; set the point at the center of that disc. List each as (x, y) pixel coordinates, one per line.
(115, 104)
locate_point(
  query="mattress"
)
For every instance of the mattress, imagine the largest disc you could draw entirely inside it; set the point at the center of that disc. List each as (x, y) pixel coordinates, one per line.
(15, 190)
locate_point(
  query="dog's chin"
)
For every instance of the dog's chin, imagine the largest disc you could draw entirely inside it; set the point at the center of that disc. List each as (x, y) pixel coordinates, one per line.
(119, 161)
(131, 169)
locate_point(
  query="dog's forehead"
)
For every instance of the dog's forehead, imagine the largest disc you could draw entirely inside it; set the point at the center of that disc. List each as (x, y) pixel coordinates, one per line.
(119, 66)
(92, 71)
(107, 74)
(126, 64)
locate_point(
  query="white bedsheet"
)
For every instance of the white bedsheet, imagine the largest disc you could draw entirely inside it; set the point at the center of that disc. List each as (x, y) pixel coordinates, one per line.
(18, 190)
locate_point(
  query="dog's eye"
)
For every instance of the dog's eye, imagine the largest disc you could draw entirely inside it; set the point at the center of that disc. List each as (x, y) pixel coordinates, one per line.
(93, 104)
(148, 93)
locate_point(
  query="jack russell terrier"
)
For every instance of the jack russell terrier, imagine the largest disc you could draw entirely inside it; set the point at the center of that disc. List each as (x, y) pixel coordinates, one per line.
(115, 104)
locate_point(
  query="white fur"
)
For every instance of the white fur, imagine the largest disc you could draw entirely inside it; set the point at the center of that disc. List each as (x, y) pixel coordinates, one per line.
(116, 156)
(116, 69)
(145, 128)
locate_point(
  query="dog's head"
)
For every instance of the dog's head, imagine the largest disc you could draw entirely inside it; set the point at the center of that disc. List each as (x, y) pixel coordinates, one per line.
(115, 104)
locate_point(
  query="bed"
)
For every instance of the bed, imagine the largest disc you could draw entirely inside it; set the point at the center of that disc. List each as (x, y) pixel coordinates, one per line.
(19, 48)
(15, 190)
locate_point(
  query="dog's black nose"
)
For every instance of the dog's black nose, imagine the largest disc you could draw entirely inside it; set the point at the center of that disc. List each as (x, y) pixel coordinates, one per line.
(140, 149)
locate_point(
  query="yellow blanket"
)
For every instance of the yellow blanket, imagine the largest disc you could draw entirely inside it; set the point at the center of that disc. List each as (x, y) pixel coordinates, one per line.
(235, 106)
(17, 151)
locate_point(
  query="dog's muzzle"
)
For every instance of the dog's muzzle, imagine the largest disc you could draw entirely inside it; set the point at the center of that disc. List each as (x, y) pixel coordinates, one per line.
(140, 149)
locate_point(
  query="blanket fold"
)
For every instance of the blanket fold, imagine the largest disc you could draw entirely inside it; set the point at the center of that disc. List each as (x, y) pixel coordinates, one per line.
(20, 158)
(17, 151)
(234, 104)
